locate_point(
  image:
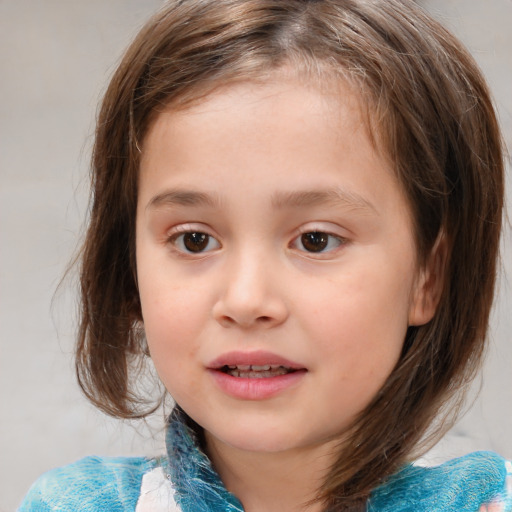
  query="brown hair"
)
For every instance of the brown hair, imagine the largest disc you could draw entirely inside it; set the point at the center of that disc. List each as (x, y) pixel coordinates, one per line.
(430, 111)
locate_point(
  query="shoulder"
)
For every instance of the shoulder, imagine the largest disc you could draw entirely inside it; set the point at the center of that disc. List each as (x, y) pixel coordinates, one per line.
(479, 481)
(90, 484)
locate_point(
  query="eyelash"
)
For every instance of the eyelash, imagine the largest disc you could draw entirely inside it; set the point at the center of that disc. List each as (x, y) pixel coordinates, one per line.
(207, 243)
(326, 238)
(178, 241)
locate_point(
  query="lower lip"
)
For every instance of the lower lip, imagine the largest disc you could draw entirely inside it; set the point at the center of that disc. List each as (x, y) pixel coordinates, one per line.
(256, 389)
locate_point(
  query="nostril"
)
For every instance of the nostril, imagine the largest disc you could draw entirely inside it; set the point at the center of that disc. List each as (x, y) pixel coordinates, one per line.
(264, 313)
(226, 320)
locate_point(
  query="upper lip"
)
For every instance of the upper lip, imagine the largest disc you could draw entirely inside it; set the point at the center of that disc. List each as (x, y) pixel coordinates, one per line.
(255, 358)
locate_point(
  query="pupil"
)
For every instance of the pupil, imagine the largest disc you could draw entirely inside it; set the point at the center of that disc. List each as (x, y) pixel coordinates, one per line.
(314, 241)
(195, 242)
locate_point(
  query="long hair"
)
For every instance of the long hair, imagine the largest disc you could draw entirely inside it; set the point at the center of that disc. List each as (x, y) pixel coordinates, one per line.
(428, 109)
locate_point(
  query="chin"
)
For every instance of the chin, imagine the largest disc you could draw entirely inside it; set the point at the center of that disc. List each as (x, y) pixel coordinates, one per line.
(261, 443)
(269, 439)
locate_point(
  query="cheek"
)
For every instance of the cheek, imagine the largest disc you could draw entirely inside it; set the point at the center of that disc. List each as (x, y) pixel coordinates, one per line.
(172, 321)
(359, 320)
(358, 341)
(171, 303)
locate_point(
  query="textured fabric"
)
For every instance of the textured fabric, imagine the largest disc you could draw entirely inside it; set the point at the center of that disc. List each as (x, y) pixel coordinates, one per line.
(198, 486)
(461, 485)
(156, 493)
(89, 485)
(479, 482)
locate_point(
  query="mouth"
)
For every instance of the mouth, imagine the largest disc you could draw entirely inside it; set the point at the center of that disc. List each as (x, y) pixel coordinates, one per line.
(249, 371)
(255, 375)
(254, 365)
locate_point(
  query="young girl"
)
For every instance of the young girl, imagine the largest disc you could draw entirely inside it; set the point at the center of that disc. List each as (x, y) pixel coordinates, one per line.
(296, 215)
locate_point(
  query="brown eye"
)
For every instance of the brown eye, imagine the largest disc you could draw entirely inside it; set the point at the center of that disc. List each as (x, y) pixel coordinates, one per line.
(318, 242)
(194, 242)
(314, 241)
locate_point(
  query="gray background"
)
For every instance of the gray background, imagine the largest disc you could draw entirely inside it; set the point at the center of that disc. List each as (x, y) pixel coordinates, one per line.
(55, 59)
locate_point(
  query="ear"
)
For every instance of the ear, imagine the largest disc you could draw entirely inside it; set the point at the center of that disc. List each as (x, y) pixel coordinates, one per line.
(429, 284)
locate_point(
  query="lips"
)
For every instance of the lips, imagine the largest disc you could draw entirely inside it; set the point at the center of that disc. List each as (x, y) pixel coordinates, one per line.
(251, 371)
(257, 361)
(255, 375)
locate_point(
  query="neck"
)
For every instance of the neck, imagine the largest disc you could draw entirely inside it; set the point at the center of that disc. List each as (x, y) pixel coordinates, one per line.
(273, 481)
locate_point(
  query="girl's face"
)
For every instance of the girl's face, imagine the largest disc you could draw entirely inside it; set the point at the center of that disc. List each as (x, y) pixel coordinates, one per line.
(276, 263)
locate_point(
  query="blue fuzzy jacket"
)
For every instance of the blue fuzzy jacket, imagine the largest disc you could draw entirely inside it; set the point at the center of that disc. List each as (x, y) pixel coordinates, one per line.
(185, 481)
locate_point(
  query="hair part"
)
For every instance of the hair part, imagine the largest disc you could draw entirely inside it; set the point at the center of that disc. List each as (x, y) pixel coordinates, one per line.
(428, 110)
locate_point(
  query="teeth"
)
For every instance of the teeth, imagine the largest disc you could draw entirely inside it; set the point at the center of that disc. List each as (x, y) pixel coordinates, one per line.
(256, 371)
(265, 367)
(254, 367)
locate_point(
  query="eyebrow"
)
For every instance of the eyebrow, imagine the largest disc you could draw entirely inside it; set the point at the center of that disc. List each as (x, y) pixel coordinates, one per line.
(280, 200)
(334, 197)
(183, 198)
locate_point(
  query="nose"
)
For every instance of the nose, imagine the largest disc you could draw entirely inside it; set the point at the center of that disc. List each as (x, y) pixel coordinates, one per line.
(251, 295)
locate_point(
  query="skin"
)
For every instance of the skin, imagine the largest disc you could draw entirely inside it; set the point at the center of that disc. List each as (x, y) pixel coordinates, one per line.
(248, 157)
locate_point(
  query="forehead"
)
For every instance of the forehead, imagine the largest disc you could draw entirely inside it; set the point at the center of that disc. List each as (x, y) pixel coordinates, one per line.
(279, 142)
(279, 113)
(322, 99)
(335, 95)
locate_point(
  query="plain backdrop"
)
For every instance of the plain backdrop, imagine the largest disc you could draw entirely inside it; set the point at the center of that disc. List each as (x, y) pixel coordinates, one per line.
(55, 59)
